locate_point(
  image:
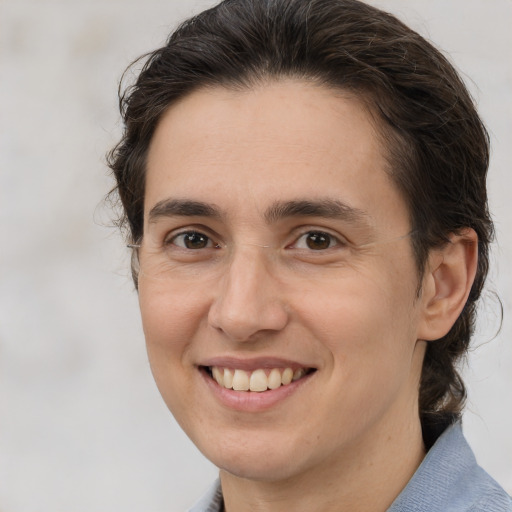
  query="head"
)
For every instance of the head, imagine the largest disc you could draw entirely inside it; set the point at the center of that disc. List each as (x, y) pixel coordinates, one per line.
(434, 143)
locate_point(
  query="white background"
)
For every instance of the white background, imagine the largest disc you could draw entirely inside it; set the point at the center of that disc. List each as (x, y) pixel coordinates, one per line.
(82, 427)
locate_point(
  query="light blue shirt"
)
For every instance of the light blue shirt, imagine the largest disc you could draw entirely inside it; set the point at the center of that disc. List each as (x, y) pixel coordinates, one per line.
(448, 480)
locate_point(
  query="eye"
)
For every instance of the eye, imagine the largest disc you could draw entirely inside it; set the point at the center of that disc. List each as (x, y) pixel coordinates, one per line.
(316, 241)
(192, 240)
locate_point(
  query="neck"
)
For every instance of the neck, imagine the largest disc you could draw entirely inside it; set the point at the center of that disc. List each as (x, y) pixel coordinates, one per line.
(367, 476)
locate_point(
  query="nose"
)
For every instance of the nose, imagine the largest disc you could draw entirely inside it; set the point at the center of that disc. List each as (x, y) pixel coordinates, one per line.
(247, 303)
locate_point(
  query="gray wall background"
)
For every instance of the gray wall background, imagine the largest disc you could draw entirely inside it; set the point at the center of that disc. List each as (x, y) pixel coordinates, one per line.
(82, 426)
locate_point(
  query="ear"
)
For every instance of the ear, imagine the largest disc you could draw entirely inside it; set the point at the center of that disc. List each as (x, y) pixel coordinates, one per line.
(449, 275)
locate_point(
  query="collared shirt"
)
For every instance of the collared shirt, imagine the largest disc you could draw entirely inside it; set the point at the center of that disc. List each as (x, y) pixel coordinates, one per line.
(448, 480)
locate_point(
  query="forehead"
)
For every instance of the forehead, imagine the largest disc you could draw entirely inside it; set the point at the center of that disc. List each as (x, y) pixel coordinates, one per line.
(288, 140)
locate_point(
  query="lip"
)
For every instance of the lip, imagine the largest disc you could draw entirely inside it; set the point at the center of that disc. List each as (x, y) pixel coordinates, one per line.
(251, 364)
(250, 401)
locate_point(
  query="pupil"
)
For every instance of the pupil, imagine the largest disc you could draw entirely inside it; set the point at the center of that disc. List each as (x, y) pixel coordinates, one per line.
(318, 241)
(195, 241)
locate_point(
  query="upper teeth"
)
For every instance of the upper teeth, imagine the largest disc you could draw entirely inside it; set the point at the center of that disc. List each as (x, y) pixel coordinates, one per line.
(257, 380)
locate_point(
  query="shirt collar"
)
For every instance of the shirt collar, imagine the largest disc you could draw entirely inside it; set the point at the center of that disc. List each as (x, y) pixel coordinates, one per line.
(212, 501)
(449, 477)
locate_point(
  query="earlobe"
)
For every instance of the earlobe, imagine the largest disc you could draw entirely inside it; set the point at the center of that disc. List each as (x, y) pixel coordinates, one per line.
(448, 278)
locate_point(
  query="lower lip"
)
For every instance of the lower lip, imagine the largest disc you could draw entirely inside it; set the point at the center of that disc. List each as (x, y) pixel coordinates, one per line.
(253, 401)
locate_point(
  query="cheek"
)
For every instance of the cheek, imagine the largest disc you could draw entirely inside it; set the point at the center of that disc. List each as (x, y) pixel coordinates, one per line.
(167, 312)
(369, 340)
(367, 323)
(170, 321)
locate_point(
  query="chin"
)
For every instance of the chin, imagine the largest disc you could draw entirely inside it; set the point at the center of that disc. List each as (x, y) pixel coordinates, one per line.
(266, 459)
(256, 469)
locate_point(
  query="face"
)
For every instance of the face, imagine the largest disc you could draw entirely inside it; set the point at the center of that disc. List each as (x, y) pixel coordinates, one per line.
(275, 249)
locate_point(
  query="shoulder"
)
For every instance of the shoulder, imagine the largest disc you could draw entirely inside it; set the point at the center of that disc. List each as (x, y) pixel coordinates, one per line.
(450, 480)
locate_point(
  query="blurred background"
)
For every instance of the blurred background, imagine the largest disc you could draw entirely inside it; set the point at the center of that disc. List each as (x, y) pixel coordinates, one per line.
(82, 426)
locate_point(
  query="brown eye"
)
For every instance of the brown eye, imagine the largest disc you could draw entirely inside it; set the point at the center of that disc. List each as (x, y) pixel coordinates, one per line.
(192, 240)
(318, 241)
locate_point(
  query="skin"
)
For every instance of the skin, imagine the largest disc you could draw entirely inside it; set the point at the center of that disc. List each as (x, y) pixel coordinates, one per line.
(350, 311)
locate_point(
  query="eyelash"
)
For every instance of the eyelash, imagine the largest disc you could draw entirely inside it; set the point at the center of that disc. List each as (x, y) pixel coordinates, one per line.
(332, 240)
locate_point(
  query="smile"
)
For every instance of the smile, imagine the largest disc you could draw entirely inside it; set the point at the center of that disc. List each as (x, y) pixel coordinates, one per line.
(258, 380)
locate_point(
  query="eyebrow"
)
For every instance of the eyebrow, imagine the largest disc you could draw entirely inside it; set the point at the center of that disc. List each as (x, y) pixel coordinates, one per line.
(183, 208)
(327, 208)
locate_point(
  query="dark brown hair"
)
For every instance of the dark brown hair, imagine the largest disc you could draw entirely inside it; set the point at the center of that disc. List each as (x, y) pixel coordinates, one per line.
(438, 147)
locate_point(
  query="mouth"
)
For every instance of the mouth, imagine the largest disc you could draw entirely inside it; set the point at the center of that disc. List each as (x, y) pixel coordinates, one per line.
(258, 380)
